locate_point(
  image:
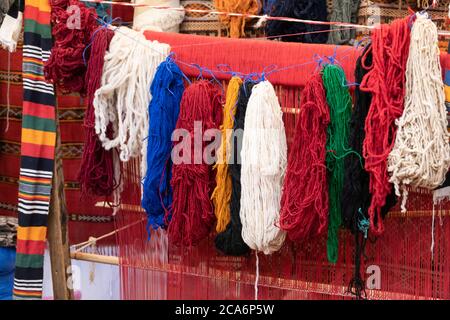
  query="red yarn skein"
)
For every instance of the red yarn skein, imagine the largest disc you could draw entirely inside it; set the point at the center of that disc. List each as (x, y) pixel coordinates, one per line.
(304, 203)
(386, 82)
(71, 30)
(192, 214)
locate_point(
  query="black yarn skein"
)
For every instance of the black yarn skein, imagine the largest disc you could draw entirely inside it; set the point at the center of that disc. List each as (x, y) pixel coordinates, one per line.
(299, 9)
(230, 241)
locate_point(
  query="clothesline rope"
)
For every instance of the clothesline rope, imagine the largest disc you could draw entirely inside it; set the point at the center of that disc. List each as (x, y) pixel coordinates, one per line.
(251, 16)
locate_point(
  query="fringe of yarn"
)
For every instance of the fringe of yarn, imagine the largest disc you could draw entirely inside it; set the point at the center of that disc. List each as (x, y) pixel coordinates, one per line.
(96, 174)
(167, 89)
(124, 96)
(71, 30)
(264, 153)
(230, 241)
(193, 181)
(11, 24)
(386, 82)
(340, 104)
(222, 193)
(236, 25)
(299, 9)
(343, 11)
(421, 153)
(304, 204)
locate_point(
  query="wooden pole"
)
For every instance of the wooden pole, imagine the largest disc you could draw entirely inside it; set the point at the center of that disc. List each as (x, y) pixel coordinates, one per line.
(58, 230)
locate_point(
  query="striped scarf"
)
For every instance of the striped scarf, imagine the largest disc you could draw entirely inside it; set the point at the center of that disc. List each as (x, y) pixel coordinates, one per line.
(37, 152)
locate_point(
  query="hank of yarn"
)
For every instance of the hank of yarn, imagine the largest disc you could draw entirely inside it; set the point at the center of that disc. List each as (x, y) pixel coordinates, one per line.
(236, 25)
(222, 193)
(421, 153)
(11, 24)
(386, 82)
(299, 32)
(304, 204)
(96, 174)
(264, 158)
(163, 20)
(343, 11)
(72, 26)
(340, 104)
(123, 98)
(192, 176)
(230, 241)
(167, 88)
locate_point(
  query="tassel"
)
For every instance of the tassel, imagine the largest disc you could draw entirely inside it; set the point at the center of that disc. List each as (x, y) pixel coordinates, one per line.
(304, 204)
(222, 193)
(421, 153)
(167, 88)
(264, 153)
(386, 82)
(192, 177)
(96, 174)
(122, 100)
(235, 24)
(230, 241)
(299, 9)
(340, 104)
(72, 32)
(11, 26)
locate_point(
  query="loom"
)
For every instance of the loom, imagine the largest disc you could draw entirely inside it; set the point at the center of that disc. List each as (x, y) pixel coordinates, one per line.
(156, 270)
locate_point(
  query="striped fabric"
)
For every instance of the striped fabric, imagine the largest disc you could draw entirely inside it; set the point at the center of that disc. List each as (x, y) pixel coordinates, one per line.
(37, 152)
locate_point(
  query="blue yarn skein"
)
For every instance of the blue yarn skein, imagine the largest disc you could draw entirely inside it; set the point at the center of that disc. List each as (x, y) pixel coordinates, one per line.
(166, 89)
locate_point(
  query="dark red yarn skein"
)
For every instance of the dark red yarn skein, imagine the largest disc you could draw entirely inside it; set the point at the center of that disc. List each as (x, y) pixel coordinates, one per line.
(192, 209)
(386, 82)
(97, 171)
(71, 30)
(304, 203)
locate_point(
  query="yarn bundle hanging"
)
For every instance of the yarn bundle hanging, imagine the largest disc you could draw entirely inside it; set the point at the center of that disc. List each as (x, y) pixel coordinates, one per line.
(230, 241)
(343, 11)
(123, 98)
(167, 89)
(71, 30)
(421, 153)
(96, 174)
(236, 24)
(386, 82)
(304, 203)
(11, 18)
(299, 32)
(340, 104)
(192, 176)
(162, 20)
(264, 157)
(222, 193)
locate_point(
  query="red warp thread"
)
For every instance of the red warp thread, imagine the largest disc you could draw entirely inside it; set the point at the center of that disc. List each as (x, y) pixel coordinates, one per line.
(96, 174)
(386, 82)
(72, 27)
(192, 215)
(304, 203)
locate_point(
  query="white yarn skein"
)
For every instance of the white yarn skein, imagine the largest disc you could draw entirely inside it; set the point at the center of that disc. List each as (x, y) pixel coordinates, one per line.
(124, 95)
(421, 153)
(163, 20)
(264, 159)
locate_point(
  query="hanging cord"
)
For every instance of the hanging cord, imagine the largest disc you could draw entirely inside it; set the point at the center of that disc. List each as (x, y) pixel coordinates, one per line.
(306, 9)
(385, 81)
(264, 152)
(421, 153)
(344, 11)
(340, 104)
(304, 203)
(230, 241)
(167, 89)
(8, 87)
(222, 193)
(256, 274)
